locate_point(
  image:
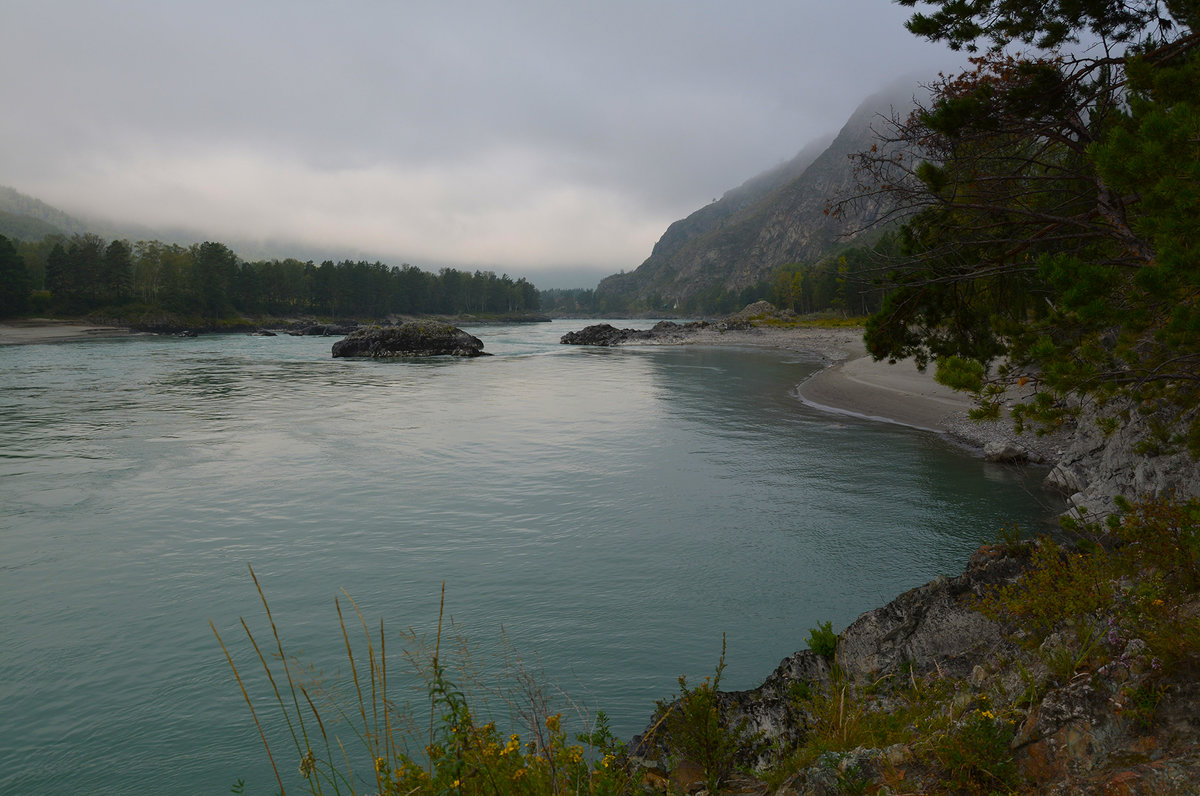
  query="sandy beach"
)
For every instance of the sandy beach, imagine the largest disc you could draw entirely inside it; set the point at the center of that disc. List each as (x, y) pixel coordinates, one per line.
(853, 383)
(39, 330)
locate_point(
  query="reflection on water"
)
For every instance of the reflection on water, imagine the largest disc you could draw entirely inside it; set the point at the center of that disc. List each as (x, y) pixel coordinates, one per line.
(614, 511)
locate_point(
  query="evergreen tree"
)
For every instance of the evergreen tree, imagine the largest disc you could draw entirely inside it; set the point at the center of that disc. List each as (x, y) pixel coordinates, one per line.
(14, 281)
(1050, 207)
(56, 270)
(214, 272)
(117, 271)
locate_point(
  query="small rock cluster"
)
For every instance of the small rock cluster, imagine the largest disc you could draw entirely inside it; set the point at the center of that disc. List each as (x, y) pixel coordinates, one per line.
(321, 329)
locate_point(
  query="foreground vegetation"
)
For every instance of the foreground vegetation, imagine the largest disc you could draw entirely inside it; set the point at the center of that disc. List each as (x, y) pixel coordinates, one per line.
(1116, 608)
(1106, 625)
(370, 744)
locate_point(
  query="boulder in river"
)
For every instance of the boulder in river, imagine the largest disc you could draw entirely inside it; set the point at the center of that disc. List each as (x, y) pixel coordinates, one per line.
(414, 339)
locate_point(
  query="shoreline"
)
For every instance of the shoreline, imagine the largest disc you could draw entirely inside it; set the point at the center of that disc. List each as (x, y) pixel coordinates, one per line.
(38, 331)
(853, 384)
(850, 383)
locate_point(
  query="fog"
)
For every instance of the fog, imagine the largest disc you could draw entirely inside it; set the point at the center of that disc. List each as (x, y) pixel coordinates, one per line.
(550, 140)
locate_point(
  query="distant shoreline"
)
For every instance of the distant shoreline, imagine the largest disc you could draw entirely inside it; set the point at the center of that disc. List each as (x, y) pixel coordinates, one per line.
(45, 330)
(851, 383)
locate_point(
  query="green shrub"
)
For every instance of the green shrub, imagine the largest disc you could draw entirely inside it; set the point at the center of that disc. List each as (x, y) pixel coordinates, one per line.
(1138, 577)
(977, 757)
(694, 729)
(823, 641)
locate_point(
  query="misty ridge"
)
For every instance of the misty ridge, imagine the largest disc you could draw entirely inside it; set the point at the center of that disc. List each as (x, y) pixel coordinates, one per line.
(744, 247)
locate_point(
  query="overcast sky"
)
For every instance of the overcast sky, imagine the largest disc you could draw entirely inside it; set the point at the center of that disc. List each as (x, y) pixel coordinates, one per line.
(549, 139)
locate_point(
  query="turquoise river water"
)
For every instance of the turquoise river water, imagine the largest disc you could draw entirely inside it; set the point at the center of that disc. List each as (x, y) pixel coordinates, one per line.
(606, 514)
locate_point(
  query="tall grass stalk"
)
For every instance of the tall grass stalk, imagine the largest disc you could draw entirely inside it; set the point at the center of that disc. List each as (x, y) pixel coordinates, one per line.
(460, 755)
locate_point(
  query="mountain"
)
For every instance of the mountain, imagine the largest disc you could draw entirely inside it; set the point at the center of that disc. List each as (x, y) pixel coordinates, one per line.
(771, 220)
(25, 218)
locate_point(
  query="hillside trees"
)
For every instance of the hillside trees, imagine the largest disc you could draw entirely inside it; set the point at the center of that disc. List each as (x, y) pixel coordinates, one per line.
(843, 282)
(85, 273)
(14, 281)
(1050, 205)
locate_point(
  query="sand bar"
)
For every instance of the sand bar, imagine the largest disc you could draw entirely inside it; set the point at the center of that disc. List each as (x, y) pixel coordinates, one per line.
(40, 330)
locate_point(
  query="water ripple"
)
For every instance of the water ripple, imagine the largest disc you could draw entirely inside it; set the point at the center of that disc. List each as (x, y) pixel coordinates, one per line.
(614, 511)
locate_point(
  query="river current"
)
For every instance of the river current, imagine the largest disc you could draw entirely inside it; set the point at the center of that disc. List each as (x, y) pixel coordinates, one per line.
(607, 514)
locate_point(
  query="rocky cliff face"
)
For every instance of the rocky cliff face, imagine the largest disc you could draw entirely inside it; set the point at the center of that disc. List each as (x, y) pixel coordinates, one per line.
(776, 218)
(927, 695)
(1135, 458)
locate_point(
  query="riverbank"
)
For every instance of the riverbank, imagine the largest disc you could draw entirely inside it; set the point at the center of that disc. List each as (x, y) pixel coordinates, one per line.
(851, 383)
(45, 330)
(1089, 465)
(854, 384)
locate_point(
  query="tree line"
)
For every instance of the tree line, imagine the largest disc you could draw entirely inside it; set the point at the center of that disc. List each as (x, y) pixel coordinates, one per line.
(86, 273)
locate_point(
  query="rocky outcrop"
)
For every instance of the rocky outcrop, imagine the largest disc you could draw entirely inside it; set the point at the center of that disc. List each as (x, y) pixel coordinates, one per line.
(605, 334)
(1119, 451)
(1005, 452)
(415, 339)
(760, 311)
(1078, 730)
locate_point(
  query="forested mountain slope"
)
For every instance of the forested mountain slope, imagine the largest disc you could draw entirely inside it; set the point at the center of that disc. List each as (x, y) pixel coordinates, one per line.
(25, 218)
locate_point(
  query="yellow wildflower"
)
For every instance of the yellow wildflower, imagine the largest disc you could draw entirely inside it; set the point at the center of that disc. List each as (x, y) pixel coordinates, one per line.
(308, 764)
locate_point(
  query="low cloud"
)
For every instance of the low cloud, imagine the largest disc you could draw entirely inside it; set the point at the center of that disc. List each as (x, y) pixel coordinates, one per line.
(498, 209)
(526, 136)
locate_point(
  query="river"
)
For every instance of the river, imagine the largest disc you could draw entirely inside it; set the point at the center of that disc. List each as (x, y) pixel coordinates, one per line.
(606, 513)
